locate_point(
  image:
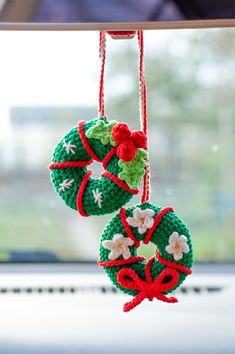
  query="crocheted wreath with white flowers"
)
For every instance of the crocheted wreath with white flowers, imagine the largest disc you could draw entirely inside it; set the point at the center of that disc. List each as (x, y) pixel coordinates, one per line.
(122, 153)
(132, 273)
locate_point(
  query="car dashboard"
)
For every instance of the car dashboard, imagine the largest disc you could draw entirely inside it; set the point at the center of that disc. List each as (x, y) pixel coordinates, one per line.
(68, 309)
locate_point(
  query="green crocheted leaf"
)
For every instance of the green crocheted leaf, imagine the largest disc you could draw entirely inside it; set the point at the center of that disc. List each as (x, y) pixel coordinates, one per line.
(133, 171)
(102, 131)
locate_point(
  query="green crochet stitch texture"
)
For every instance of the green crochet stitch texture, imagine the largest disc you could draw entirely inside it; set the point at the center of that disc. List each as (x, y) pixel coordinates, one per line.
(133, 171)
(169, 224)
(113, 196)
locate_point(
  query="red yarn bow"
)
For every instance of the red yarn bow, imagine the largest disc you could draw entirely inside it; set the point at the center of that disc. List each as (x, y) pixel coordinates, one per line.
(127, 141)
(149, 289)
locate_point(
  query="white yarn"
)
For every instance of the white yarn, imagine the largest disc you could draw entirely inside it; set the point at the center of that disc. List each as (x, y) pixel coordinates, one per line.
(98, 197)
(66, 184)
(69, 147)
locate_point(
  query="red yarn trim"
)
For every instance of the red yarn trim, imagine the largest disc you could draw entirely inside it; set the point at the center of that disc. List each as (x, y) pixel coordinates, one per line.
(135, 259)
(102, 55)
(143, 114)
(119, 262)
(79, 202)
(148, 289)
(108, 157)
(148, 274)
(119, 182)
(122, 34)
(66, 164)
(127, 227)
(85, 142)
(157, 221)
(174, 265)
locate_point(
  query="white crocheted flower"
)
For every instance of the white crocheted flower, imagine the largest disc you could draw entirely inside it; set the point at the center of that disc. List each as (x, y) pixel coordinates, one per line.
(119, 246)
(177, 246)
(143, 219)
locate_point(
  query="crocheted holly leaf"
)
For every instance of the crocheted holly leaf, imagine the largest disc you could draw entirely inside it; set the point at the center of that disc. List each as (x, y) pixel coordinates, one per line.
(133, 171)
(102, 131)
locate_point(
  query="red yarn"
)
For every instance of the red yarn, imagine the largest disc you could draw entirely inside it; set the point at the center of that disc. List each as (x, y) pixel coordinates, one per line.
(148, 289)
(120, 133)
(174, 265)
(108, 157)
(143, 114)
(146, 186)
(85, 142)
(81, 190)
(119, 262)
(127, 141)
(127, 227)
(157, 221)
(148, 274)
(121, 34)
(102, 54)
(119, 182)
(126, 151)
(66, 164)
(139, 138)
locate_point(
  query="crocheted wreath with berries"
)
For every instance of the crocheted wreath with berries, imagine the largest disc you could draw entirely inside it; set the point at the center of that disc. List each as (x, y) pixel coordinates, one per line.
(123, 156)
(133, 274)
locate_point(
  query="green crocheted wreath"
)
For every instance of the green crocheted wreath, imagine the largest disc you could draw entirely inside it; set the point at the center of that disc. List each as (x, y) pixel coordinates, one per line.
(135, 275)
(122, 154)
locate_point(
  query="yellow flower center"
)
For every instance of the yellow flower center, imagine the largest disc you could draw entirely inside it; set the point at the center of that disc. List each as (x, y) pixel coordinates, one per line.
(119, 245)
(177, 246)
(142, 220)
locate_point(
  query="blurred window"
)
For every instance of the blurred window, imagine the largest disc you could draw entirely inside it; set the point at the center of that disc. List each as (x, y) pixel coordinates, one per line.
(49, 81)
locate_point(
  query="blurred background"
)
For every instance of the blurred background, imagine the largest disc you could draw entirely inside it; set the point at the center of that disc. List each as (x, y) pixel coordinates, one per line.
(49, 81)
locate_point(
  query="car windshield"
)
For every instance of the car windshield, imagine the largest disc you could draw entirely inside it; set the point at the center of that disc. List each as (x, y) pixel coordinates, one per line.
(49, 81)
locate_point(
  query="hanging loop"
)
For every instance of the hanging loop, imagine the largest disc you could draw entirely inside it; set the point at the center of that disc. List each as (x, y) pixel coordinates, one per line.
(143, 114)
(102, 55)
(142, 92)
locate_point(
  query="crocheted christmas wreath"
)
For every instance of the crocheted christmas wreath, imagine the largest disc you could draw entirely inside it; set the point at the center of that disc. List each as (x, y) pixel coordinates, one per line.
(133, 274)
(122, 154)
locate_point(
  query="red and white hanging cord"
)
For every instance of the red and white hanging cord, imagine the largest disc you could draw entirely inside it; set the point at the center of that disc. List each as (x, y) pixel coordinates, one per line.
(142, 95)
(143, 114)
(102, 55)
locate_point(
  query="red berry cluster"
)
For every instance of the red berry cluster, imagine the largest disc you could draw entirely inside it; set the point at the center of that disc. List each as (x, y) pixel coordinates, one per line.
(127, 141)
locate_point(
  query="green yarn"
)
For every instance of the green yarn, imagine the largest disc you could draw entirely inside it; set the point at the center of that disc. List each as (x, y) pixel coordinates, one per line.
(133, 171)
(102, 131)
(113, 196)
(170, 223)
